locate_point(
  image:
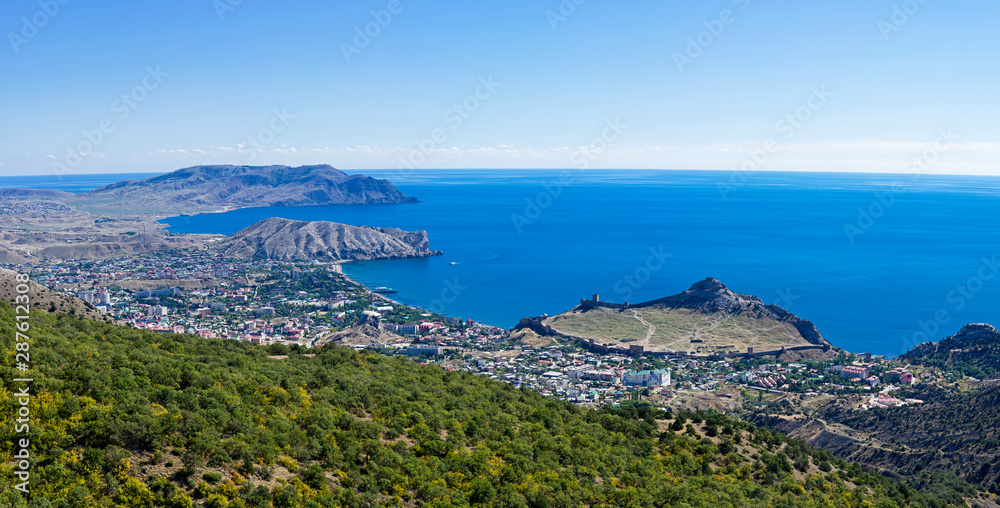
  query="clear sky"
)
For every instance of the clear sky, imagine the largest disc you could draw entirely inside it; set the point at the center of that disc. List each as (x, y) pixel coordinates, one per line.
(137, 86)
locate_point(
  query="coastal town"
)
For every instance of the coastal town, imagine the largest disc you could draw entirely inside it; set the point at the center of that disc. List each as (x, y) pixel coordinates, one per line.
(306, 304)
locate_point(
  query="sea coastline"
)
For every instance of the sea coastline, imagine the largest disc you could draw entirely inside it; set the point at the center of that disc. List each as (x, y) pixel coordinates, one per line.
(802, 261)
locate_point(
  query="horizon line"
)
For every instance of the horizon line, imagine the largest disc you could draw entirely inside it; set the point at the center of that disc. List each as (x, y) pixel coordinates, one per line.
(540, 169)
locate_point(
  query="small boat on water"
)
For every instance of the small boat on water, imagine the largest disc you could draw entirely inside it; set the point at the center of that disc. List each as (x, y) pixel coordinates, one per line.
(383, 290)
(453, 263)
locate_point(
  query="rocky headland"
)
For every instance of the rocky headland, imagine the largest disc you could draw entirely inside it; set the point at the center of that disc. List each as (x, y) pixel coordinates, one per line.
(290, 240)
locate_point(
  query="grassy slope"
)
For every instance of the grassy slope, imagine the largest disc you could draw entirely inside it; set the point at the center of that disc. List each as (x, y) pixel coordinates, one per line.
(675, 328)
(343, 429)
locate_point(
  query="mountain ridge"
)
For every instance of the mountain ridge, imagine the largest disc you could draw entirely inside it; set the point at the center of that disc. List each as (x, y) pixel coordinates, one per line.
(285, 239)
(240, 186)
(215, 187)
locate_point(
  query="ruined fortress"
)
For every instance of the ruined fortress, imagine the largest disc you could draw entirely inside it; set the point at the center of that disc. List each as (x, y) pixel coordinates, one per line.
(539, 325)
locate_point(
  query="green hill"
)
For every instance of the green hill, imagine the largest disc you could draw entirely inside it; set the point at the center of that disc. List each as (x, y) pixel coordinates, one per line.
(973, 351)
(123, 417)
(954, 432)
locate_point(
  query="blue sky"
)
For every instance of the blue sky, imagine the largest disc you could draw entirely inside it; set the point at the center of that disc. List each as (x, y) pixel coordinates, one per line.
(688, 85)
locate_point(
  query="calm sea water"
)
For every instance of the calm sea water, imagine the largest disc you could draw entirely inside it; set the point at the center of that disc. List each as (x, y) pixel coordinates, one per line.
(69, 182)
(916, 266)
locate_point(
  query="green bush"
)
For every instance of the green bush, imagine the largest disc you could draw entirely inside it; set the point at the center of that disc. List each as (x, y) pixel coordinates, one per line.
(212, 477)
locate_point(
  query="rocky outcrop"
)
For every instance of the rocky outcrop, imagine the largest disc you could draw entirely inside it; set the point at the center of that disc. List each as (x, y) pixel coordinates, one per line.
(288, 240)
(535, 324)
(712, 296)
(976, 345)
(369, 331)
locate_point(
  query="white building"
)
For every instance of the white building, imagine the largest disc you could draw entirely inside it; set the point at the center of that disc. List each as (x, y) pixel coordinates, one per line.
(659, 377)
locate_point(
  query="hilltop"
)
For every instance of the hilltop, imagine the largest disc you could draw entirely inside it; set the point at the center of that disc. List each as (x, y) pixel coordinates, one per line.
(974, 350)
(367, 332)
(135, 418)
(284, 239)
(706, 318)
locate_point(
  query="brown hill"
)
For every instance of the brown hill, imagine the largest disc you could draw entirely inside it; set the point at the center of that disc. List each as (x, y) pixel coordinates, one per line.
(366, 333)
(285, 239)
(44, 299)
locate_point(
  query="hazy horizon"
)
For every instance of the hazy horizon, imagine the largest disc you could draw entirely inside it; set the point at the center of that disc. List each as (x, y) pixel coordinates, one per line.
(487, 169)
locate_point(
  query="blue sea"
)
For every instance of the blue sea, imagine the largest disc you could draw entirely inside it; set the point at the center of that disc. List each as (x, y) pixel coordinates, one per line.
(877, 262)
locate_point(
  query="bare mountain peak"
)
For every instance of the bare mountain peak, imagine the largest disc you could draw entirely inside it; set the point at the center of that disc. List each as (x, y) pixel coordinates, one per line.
(285, 239)
(975, 331)
(710, 284)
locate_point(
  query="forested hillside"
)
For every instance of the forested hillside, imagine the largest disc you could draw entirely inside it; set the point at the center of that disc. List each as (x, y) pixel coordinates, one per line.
(955, 432)
(973, 351)
(128, 418)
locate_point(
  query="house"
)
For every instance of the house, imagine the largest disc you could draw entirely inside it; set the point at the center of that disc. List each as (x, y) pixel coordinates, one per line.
(660, 377)
(853, 372)
(406, 329)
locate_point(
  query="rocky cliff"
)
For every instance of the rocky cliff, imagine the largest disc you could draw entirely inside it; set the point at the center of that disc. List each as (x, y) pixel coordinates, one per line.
(284, 239)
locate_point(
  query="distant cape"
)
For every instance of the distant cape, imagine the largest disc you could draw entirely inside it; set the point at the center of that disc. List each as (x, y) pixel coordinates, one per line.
(209, 188)
(291, 240)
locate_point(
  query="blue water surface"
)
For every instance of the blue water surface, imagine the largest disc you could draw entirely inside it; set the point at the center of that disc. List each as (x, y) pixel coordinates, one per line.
(877, 262)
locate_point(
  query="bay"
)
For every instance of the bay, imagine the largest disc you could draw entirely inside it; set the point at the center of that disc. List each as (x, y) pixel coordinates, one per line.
(877, 262)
